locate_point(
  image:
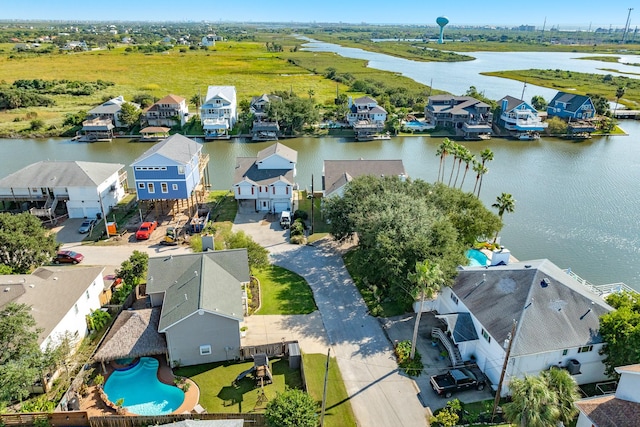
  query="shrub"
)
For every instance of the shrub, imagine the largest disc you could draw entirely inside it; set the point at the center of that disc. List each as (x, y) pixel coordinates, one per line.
(303, 215)
(297, 228)
(412, 367)
(37, 124)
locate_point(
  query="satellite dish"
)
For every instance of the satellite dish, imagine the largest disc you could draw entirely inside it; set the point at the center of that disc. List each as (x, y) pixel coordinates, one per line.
(442, 21)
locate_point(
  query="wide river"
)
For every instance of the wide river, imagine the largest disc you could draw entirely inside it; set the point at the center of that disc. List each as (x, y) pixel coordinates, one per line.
(577, 203)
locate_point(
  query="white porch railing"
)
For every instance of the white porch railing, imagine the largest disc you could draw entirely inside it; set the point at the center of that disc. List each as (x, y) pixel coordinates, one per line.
(602, 290)
(452, 350)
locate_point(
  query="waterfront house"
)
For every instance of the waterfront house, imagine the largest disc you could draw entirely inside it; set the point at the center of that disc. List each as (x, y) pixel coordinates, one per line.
(556, 320)
(60, 299)
(169, 111)
(621, 409)
(519, 117)
(336, 174)
(266, 182)
(466, 116)
(173, 169)
(78, 189)
(203, 303)
(219, 111)
(263, 129)
(570, 106)
(366, 109)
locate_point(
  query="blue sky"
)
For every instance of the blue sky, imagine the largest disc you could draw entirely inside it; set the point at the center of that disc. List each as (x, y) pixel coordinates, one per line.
(570, 15)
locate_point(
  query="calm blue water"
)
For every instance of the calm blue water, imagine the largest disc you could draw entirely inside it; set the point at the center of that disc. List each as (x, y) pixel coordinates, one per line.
(477, 258)
(141, 390)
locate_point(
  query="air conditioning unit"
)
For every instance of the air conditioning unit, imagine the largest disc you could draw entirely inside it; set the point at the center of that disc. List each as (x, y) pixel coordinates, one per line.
(112, 189)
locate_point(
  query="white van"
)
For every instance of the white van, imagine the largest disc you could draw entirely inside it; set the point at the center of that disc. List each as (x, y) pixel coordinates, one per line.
(285, 219)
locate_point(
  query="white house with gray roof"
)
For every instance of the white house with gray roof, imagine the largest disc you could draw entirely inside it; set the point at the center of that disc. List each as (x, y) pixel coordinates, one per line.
(557, 320)
(109, 110)
(366, 109)
(83, 189)
(265, 183)
(60, 298)
(201, 296)
(336, 174)
(219, 112)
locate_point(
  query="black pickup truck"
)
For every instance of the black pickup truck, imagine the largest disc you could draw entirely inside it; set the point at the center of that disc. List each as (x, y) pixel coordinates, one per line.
(458, 379)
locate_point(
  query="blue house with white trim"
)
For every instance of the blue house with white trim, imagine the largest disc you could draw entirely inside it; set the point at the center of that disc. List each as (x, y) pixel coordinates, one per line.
(172, 169)
(571, 106)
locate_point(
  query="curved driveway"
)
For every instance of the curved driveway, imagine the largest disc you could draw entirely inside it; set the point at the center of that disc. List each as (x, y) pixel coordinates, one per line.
(380, 395)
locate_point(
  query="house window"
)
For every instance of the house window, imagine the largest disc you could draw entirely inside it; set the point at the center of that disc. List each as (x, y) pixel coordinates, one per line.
(141, 185)
(174, 187)
(180, 170)
(238, 191)
(252, 190)
(585, 349)
(88, 295)
(205, 350)
(454, 298)
(151, 187)
(486, 336)
(164, 187)
(274, 190)
(75, 308)
(564, 352)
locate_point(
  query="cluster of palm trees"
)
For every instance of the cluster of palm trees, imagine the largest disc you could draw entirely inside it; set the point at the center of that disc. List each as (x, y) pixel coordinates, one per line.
(461, 154)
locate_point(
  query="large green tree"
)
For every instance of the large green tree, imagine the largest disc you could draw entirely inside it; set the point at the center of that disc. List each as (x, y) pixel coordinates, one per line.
(293, 113)
(24, 242)
(292, 408)
(400, 223)
(258, 255)
(129, 114)
(620, 329)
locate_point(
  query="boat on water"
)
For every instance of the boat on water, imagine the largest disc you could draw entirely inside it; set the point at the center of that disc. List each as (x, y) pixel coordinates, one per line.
(528, 136)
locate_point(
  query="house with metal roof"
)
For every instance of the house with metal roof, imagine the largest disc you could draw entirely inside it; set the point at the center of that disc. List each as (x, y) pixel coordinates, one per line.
(465, 115)
(570, 106)
(265, 183)
(219, 112)
(169, 111)
(336, 174)
(109, 110)
(538, 311)
(621, 409)
(203, 303)
(60, 299)
(173, 169)
(519, 117)
(53, 188)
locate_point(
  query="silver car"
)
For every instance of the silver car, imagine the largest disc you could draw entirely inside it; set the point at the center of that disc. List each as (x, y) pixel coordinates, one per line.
(86, 226)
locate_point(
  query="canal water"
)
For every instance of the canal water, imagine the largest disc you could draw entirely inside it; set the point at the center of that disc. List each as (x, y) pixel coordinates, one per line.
(577, 203)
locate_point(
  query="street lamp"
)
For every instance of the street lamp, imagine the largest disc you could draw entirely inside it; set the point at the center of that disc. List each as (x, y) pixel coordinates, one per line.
(311, 197)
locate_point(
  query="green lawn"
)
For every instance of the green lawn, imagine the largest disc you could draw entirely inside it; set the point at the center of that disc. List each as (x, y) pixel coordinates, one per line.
(284, 292)
(338, 411)
(219, 394)
(223, 206)
(320, 226)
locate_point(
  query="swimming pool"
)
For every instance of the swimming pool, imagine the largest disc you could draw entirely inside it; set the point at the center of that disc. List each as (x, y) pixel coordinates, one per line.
(476, 258)
(141, 390)
(417, 125)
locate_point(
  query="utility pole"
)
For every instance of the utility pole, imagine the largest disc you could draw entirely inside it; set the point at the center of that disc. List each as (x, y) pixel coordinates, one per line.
(626, 26)
(311, 196)
(511, 337)
(324, 392)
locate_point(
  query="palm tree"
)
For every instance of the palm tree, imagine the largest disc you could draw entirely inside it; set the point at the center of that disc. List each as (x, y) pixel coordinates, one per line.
(311, 92)
(486, 155)
(468, 159)
(619, 94)
(480, 170)
(504, 203)
(455, 149)
(195, 100)
(428, 279)
(444, 150)
(533, 403)
(463, 152)
(561, 381)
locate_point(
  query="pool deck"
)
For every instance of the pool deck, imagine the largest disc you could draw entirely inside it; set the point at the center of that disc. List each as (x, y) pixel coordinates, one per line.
(94, 406)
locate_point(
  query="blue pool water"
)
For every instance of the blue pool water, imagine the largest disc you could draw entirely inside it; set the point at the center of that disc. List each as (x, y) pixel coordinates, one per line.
(141, 390)
(415, 124)
(476, 258)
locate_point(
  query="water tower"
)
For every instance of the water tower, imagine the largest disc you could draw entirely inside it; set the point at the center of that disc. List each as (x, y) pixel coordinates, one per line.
(442, 21)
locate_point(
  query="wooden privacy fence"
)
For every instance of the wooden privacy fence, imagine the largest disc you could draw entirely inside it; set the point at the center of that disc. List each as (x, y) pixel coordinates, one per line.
(55, 419)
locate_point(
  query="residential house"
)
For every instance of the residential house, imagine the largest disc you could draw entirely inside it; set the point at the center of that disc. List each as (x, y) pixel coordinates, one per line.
(60, 299)
(266, 182)
(201, 296)
(173, 169)
(209, 40)
(467, 116)
(367, 109)
(169, 111)
(556, 320)
(621, 409)
(263, 129)
(75, 45)
(569, 106)
(336, 174)
(219, 112)
(109, 110)
(84, 189)
(519, 117)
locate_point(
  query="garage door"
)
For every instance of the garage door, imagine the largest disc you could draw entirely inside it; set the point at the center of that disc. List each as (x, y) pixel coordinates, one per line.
(75, 212)
(280, 206)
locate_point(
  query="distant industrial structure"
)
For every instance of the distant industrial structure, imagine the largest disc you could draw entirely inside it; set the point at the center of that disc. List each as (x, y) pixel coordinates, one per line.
(442, 21)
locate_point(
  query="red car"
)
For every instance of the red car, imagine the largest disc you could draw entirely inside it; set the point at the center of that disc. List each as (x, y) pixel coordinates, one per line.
(69, 257)
(145, 230)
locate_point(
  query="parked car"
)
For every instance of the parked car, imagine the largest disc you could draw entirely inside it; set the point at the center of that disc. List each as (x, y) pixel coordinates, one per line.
(458, 379)
(86, 225)
(145, 230)
(69, 257)
(285, 219)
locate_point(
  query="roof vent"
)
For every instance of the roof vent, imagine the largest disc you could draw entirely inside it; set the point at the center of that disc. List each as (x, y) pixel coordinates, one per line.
(7, 289)
(32, 286)
(545, 282)
(527, 266)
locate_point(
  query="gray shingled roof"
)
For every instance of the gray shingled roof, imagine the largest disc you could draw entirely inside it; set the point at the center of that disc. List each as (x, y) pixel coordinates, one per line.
(51, 174)
(573, 101)
(553, 310)
(338, 172)
(247, 169)
(177, 147)
(133, 334)
(281, 150)
(50, 291)
(209, 281)
(511, 102)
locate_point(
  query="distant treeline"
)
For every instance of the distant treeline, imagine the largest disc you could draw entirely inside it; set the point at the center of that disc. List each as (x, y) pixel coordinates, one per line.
(32, 92)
